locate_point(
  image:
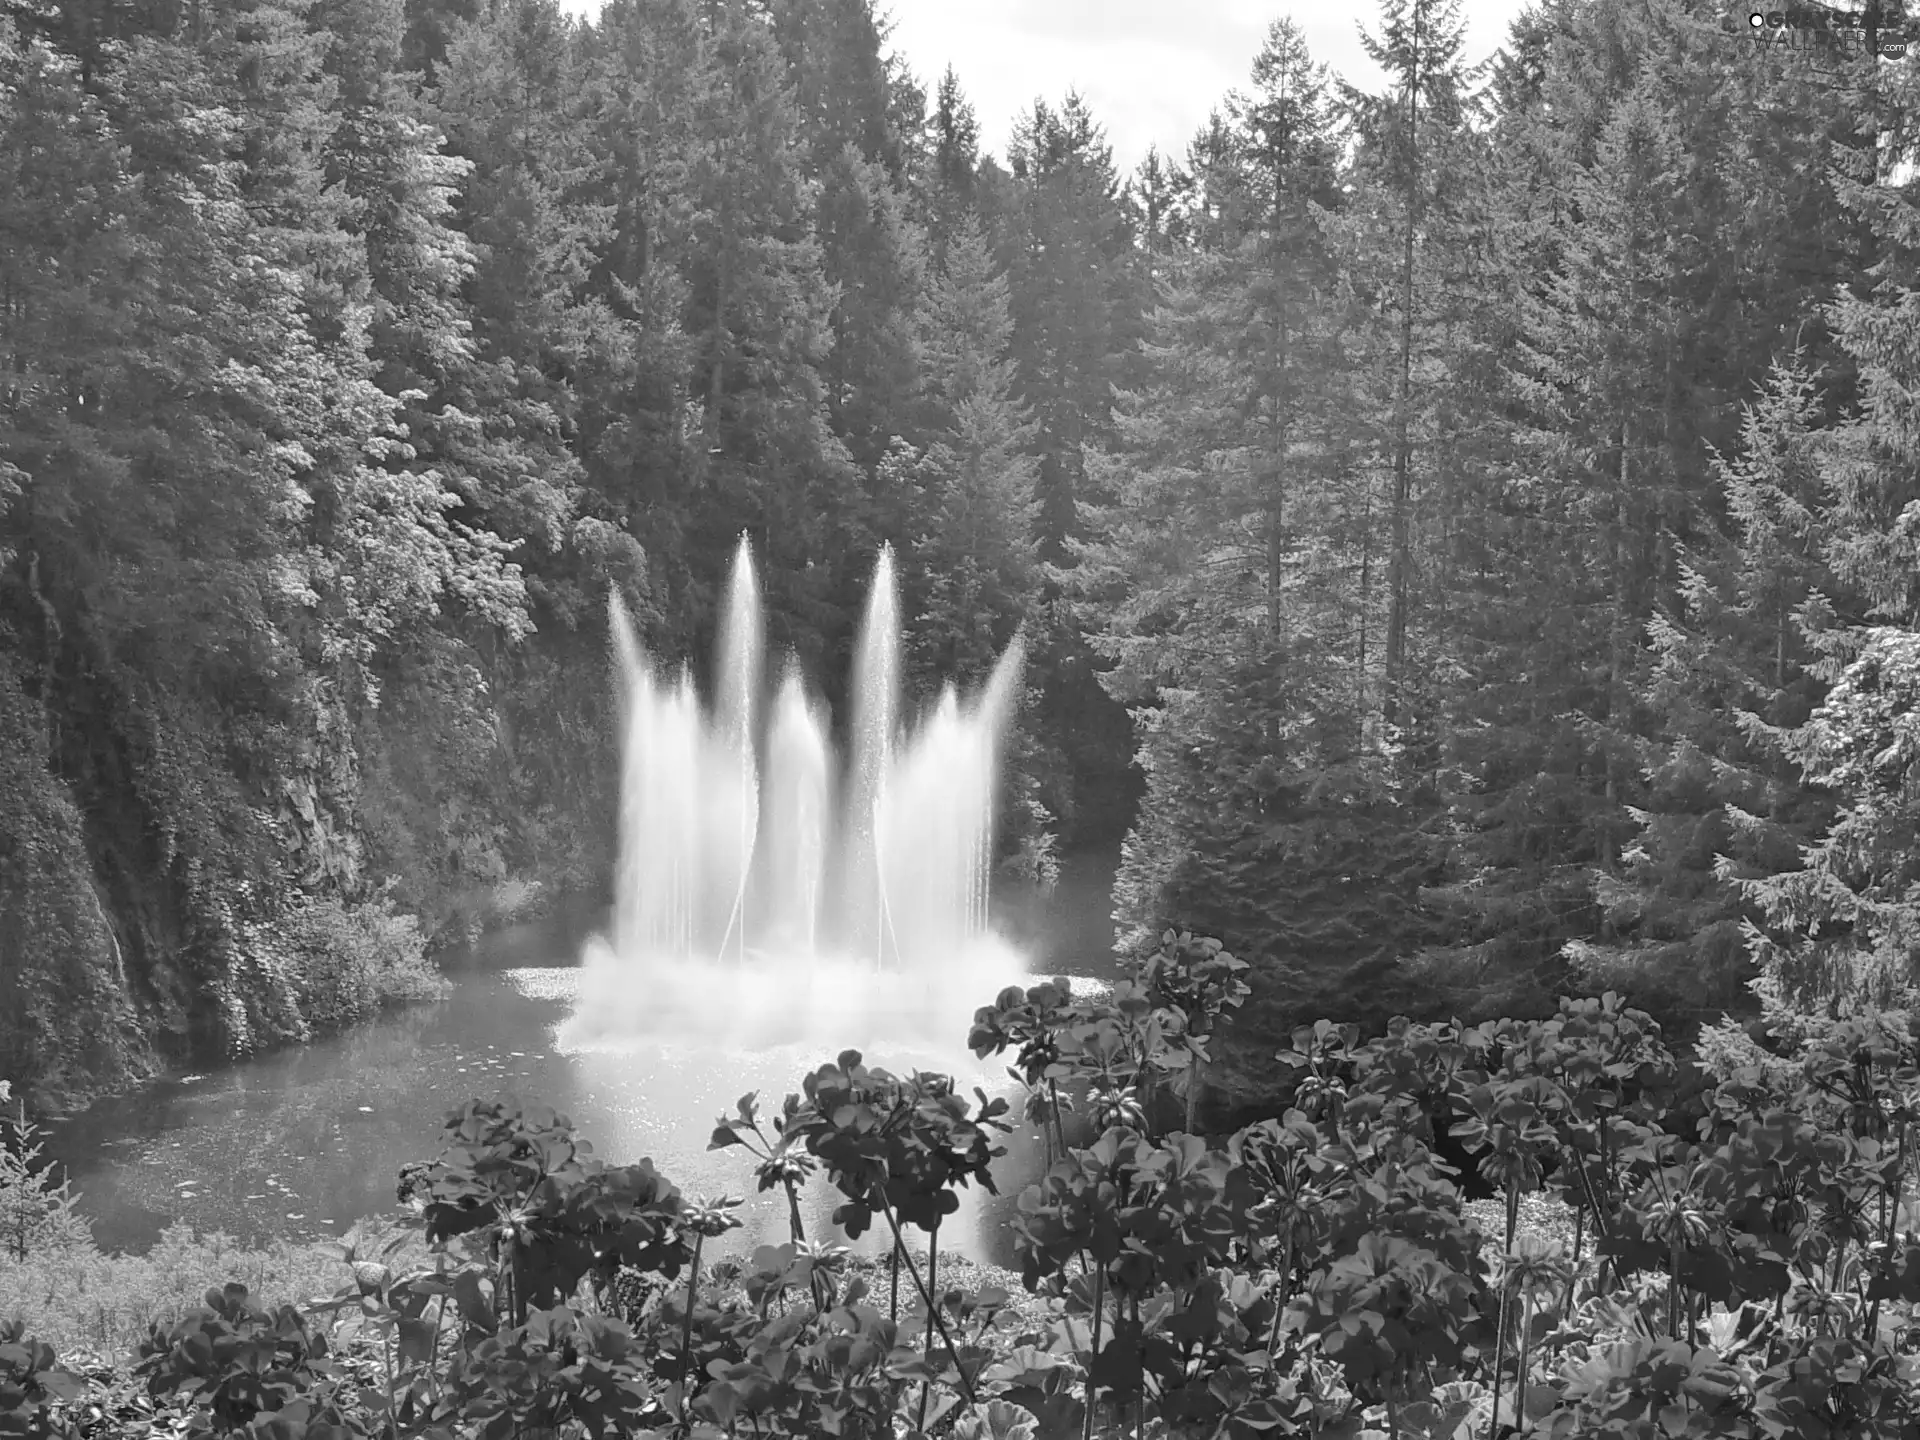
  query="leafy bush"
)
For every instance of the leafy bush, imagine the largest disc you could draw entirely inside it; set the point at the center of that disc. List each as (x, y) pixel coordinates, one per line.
(231, 1360)
(79, 1298)
(30, 1383)
(1746, 1266)
(348, 961)
(36, 1210)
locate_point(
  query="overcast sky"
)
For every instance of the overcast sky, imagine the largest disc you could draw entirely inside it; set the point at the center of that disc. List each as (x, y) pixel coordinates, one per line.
(1150, 69)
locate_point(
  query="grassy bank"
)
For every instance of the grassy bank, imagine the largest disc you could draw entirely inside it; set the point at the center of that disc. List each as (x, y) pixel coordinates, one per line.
(79, 1298)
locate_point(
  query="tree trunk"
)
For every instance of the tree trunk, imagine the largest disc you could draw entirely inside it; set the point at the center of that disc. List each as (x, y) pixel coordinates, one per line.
(1399, 560)
(1277, 429)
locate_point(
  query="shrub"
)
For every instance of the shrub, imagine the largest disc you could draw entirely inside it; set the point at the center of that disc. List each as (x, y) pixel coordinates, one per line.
(348, 961)
(1739, 1270)
(36, 1211)
(81, 1298)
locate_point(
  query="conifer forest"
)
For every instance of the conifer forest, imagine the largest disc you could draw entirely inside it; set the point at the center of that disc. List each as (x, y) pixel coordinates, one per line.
(1462, 532)
(1466, 534)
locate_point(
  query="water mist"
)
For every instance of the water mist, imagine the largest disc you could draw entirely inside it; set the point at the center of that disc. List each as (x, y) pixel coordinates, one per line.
(768, 895)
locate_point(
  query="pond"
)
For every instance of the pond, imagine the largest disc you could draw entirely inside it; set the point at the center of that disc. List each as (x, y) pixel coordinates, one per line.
(302, 1142)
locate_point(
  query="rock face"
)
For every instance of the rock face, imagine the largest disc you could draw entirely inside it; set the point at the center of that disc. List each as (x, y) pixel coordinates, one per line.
(193, 870)
(70, 1027)
(133, 872)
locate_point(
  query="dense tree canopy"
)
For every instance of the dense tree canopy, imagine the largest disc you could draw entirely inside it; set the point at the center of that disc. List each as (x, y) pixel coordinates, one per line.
(1463, 533)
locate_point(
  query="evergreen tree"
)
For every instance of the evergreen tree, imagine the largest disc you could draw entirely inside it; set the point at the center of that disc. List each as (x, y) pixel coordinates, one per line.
(1409, 155)
(978, 575)
(1600, 415)
(1061, 230)
(951, 172)
(1218, 574)
(869, 252)
(1732, 678)
(1842, 929)
(1069, 257)
(1641, 282)
(639, 435)
(508, 100)
(760, 311)
(1160, 195)
(1260, 785)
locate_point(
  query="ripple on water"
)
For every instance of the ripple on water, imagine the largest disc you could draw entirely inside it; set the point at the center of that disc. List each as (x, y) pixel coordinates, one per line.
(546, 982)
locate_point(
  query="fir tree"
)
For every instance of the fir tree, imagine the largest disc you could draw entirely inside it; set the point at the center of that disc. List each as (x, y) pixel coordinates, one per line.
(951, 171)
(1061, 230)
(1843, 928)
(979, 578)
(1408, 145)
(1732, 679)
(869, 252)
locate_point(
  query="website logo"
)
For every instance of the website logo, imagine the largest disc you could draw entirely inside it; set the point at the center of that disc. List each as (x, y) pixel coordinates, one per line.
(1880, 31)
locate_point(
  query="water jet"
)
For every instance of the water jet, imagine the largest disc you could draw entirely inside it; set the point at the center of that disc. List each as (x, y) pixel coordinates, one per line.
(768, 894)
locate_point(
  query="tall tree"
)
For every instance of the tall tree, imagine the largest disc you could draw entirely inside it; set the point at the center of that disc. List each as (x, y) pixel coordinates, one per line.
(761, 310)
(870, 254)
(1644, 279)
(1217, 570)
(1061, 230)
(1408, 150)
(1732, 678)
(978, 573)
(951, 171)
(1842, 929)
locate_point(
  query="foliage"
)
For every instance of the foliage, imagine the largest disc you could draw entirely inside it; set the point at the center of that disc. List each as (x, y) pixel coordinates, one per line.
(346, 963)
(355, 350)
(37, 1211)
(515, 1188)
(59, 957)
(233, 1360)
(1750, 1269)
(87, 1301)
(30, 1383)
(1481, 518)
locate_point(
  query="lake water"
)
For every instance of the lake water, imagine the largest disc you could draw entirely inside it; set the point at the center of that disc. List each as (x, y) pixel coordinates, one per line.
(304, 1141)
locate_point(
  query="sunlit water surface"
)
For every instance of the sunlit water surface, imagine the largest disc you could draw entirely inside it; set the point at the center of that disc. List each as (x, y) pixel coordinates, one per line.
(305, 1141)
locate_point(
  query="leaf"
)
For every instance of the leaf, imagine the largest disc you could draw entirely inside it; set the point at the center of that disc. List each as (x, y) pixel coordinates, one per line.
(61, 1384)
(417, 1341)
(1024, 1365)
(476, 1306)
(1000, 1420)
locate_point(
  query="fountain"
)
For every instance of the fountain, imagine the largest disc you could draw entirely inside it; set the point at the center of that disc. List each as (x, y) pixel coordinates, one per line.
(751, 911)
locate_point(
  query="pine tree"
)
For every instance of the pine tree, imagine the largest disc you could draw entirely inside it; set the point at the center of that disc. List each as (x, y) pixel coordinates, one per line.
(639, 436)
(1842, 929)
(1260, 786)
(397, 518)
(1409, 144)
(978, 575)
(869, 252)
(947, 192)
(1732, 679)
(1594, 373)
(760, 313)
(508, 100)
(1640, 288)
(1060, 228)
(1068, 252)
(1217, 571)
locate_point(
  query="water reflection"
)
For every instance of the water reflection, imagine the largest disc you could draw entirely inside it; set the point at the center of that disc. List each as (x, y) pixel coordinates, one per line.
(305, 1141)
